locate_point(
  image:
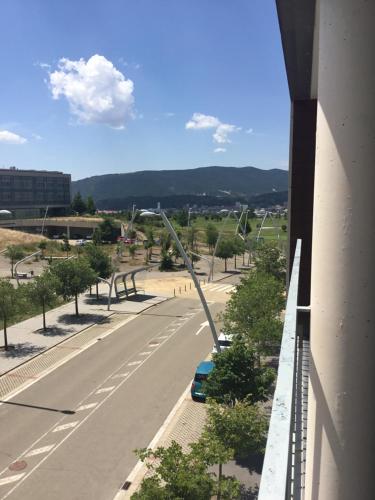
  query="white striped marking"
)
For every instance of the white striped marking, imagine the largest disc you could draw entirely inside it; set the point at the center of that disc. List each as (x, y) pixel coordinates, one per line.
(65, 426)
(133, 363)
(121, 375)
(105, 389)
(11, 479)
(86, 407)
(145, 353)
(163, 337)
(39, 451)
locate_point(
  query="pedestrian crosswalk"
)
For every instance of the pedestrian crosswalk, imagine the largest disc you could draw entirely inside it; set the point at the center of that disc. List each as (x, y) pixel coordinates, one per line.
(218, 287)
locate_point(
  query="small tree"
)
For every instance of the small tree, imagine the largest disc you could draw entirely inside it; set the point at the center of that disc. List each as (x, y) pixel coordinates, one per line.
(108, 230)
(242, 428)
(175, 475)
(252, 311)
(212, 235)
(100, 262)
(182, 217)
(97, 236)
(74, 277)
(237, 376)
(8, 305)
(65, 245)
(42, 292)
(14, 253)
(42, 245)
(166, 263)
(132, 251)
(269, 259)
(238, 246)
(78, 204)
(90, 205)
(165, 240)
(225, 250)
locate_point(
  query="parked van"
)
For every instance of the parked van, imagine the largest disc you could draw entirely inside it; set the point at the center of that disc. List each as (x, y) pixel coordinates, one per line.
(225, 341)
(203, 370)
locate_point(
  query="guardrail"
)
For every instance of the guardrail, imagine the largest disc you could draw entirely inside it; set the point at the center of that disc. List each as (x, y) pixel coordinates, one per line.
(278, 480)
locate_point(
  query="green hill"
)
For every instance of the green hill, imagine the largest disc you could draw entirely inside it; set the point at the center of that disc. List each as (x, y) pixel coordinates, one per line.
(211, 181)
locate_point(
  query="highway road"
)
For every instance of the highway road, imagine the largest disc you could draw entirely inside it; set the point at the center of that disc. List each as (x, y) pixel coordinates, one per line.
(71, 435)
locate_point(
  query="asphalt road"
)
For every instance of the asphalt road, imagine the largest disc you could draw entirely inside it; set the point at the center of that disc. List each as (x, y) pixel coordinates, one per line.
(71, 435)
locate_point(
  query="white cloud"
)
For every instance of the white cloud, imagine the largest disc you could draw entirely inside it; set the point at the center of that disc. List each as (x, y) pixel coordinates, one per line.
(96, 91)
(169, 115)
(37, 137)
(200, 121)
(11, 138)
(249, 131)
(220, 150)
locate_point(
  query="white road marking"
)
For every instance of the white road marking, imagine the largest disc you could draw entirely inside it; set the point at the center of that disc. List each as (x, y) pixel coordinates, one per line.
(163, 337)
(65, 426)
(133, 363)
(24, 476)
(39, 451)
(145, 353)
(66, 359)
(11, 479)
(105, 389)
(120, 375)
(86, 407)
(203, 325)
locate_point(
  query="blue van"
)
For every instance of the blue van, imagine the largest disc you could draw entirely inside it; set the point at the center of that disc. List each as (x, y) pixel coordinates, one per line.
(203, 370)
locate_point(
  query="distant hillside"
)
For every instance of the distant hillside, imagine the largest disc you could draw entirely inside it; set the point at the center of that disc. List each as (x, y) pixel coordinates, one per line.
(211, 181)
(182, 200)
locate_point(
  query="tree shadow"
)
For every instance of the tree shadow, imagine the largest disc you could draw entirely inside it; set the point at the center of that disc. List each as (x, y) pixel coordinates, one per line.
(82, 319)
(54, 331)
(140, 297)
(21, 350)
(93, 300)
(250, 493)
(253, 462)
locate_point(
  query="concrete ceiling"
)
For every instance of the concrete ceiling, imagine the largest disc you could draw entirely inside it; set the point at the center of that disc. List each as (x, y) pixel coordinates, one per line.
(297, 26)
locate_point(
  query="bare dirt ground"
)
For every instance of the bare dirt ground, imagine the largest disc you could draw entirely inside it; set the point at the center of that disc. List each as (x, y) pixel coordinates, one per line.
(13, 237)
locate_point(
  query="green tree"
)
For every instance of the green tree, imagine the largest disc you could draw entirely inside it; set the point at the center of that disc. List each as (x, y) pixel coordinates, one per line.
(212, 235)
(42, 292)
(65, 245)
(166, 263)
(192, 238)
(165, 240)
(253, 310)
(182, 217)
(100, 262)
(225, 250)
(14, 253)
(42, 245)
(132, 251)
(269, 259)
(175, 475)
(241, 428)
(74, 277)
(8, 306)
(97, 236)
(108, 230)
(90, 205)
(237, 376)
(78, 204)
(239, 247)
(149, 243)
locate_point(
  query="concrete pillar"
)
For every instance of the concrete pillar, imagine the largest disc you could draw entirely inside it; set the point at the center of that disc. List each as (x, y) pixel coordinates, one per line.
(301, 189)
(341, 411)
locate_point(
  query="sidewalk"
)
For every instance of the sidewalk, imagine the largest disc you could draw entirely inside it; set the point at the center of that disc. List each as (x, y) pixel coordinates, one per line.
(29, 339)
(184, 425)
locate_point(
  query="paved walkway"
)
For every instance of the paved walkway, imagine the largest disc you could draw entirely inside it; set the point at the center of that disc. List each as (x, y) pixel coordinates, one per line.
(29, 339)
(184, 425)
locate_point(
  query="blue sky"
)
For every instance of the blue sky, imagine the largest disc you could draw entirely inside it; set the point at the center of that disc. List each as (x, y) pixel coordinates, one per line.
(92, 86)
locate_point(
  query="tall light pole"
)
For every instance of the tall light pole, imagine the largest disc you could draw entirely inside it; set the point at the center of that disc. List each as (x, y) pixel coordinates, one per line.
(187, 261)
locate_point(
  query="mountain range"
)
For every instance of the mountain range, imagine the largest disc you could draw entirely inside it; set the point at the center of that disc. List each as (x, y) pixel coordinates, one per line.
(241, 182)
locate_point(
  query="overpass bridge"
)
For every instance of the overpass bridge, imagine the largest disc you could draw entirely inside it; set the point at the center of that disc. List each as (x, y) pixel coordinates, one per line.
(73, 227)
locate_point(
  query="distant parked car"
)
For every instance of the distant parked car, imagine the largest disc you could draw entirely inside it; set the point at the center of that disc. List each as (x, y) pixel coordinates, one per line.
(203, 370)
(225, 341)
(81, 243)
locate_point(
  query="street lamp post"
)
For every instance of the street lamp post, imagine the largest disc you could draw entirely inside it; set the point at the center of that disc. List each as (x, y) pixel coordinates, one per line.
(173, 234)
